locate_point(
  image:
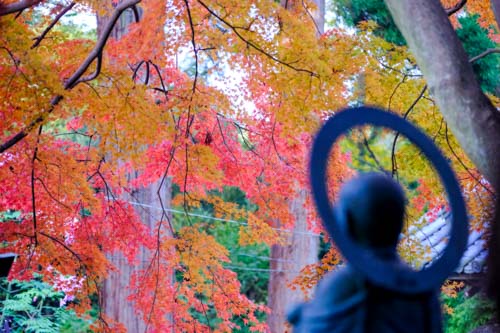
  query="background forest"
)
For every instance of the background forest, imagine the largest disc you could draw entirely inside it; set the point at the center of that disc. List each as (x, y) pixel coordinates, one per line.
(154, 163)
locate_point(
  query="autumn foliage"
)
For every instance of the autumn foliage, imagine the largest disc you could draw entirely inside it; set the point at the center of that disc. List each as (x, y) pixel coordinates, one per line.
(84, 123)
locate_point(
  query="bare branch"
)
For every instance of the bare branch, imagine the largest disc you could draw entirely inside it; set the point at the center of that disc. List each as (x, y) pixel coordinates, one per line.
(395, 90)
(98, 48)
(12, 57)
(19, 13)
(452, 10)
(318, 30)
(484, 54)
(193, 42)
(33, 198)
(407, 113)
(39, 39)
(136, 69)
(95, 73)
(9, 8)
(51, 195)
(163, 88)
(372, 153)
(137, 14)
(224, 140)
(467, 169)
(274, 144)
(146, 80)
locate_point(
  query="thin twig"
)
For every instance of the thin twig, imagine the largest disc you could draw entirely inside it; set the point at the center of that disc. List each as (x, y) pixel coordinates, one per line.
(39, 39)
(224, 140)
(51, 195)
(371, 153)
(394, 142)
(33, 197)
(193, 42)
(255, 46)
(318, 30)
(54, 239)
(463, 164)
(395, 90)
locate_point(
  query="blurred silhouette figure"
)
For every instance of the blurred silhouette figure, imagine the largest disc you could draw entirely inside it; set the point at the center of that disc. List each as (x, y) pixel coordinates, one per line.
(372, 206)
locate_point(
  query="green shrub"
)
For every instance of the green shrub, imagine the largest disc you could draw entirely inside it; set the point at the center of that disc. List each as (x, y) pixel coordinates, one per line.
(34, 306)
(468, 313)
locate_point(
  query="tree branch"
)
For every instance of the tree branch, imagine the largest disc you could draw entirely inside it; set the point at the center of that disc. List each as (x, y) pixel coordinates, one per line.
(463, 164)
(66, 247)
(39, 39)
(253, 45)
(76, 78)
(395, 141)
(6, 9)
(137, 14)
(33, 198)
(98, 48)
(471, 116)
(95, 74)
(193, 42)
(452, 10)
(484, 54)
(24, 132)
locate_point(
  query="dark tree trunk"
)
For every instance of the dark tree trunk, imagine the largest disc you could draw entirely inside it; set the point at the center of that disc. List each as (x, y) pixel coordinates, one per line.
(471, 116)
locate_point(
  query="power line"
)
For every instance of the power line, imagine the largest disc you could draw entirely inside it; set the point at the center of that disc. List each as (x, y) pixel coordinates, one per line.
(176, 211)
(268, 270)
(238, 254)
(263, 257)
(232, 267)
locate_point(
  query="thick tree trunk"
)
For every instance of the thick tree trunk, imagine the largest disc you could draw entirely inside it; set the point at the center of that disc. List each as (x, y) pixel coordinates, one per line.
(286, 263)
(472, 118)
(116, 287)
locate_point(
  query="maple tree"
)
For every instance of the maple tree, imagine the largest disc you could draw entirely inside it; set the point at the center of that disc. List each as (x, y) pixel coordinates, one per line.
(86, 123)
(80, 116)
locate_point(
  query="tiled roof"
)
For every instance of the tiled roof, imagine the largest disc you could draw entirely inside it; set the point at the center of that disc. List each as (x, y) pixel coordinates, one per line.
(434, 237)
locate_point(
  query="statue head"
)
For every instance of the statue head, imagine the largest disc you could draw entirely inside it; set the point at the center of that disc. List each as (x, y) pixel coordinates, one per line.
(373, 206)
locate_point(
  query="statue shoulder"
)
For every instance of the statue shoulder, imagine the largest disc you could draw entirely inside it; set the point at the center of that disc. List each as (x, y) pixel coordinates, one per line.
(340, 284)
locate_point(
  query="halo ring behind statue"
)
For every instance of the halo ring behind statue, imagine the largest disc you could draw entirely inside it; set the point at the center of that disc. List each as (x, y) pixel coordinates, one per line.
(378, 271)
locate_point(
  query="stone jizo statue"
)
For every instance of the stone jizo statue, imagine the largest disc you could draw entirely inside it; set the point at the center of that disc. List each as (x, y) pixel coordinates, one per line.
(345, 301)
(375, 291)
